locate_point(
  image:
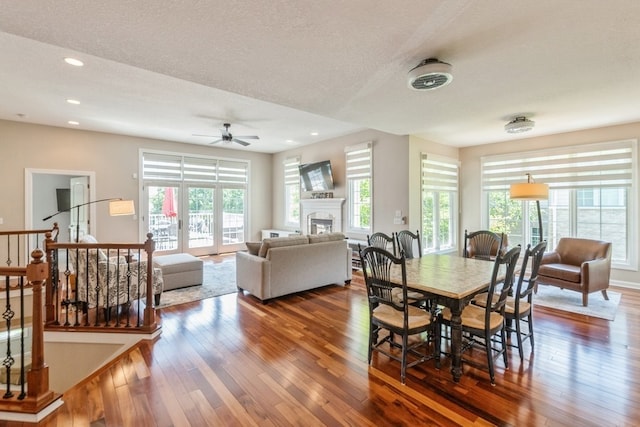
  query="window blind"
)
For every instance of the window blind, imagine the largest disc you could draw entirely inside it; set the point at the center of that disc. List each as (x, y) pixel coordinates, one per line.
(173, 167)
(586, 166)
(161, 167)
(439, 174)
(291, 171)
(359, 161)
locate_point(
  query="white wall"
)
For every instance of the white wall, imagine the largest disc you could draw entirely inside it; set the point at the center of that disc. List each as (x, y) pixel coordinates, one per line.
(471, 183)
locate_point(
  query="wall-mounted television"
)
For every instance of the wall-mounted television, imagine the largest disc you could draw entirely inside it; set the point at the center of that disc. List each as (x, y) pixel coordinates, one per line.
(316, 176)
(63, 197)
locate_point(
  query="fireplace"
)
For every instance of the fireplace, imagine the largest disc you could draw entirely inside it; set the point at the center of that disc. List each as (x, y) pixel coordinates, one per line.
(320, 226)
(320, 216)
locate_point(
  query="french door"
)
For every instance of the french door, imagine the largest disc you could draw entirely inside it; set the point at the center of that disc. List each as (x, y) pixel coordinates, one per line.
(196, 219)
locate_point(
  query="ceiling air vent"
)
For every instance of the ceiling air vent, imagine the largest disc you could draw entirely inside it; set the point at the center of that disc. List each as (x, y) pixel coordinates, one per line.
(430, 74)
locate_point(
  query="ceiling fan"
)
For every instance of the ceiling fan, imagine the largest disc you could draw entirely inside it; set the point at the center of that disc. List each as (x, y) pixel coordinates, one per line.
(226, 136)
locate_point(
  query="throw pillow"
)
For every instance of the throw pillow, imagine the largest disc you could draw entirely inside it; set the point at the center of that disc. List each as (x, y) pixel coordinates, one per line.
(253, 247)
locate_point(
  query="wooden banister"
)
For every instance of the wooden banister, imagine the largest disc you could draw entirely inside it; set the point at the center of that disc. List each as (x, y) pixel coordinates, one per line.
(38, 395)
(147, 323)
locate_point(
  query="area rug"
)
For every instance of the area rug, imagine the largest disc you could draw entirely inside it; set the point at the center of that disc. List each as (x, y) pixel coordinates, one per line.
(560, 299)
(219, 279)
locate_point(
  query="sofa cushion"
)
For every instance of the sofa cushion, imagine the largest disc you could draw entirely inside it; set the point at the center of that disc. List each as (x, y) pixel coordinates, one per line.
(253, 247)
(325, 237)
(277, 242)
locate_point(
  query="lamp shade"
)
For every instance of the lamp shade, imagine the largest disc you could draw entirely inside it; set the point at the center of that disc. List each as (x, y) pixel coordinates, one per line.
(121, 207)
(529, 191)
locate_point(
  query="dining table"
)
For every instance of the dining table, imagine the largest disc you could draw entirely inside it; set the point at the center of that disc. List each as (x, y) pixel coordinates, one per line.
(450, 281)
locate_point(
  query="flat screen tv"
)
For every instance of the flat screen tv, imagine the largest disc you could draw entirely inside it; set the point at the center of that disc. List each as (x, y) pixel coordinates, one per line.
(63, 197)
(316, 176)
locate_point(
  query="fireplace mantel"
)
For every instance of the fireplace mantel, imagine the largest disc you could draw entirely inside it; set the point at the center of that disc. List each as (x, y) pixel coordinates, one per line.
(331, 207)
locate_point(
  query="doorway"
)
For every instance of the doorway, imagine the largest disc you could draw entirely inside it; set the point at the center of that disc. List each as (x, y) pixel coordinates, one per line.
(198, 219)
(41, 187)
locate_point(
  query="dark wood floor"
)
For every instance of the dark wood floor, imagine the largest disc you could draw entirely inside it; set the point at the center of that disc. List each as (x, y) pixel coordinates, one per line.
(301, 360)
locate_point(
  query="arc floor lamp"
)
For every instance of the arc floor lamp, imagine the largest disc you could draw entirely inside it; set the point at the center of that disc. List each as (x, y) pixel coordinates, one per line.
(117, 207)
(531, 190)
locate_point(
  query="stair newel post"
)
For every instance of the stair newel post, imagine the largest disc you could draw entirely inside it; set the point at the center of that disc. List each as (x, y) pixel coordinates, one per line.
(149, 310)
(51, 286)
(38, 376)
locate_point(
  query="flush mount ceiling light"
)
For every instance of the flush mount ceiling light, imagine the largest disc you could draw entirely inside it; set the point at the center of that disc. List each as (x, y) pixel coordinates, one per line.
(519, 124)
(430, 74)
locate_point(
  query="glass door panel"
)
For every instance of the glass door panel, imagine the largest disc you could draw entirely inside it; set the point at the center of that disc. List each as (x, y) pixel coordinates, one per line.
(233, 219)
(163, 216)
(200, 221)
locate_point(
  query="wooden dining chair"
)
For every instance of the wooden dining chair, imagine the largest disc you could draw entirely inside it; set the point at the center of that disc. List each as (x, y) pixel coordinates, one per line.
(485, 326)
(398, 319)
(519, 306)
(406, 240)
(483, 244)
(384, 241)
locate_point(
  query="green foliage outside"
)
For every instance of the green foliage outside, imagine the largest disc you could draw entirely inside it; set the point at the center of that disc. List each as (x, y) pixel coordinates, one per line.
(364, 187)
(505, 215)
(202, 200)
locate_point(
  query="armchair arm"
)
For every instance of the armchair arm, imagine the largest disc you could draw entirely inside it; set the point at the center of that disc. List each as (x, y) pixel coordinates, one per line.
(551, 258)
(595, 274)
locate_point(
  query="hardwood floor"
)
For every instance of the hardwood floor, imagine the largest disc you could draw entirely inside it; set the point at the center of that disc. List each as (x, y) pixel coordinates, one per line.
(302, 360)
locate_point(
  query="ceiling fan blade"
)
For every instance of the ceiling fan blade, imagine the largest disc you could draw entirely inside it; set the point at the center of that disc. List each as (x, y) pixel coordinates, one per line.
(247, 137)
(216, 141)
(243, 143)
(208, 136)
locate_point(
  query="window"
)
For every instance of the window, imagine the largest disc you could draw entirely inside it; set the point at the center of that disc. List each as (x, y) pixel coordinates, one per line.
(592, 194)
(358, 159)
(439, 201)
(292, 192)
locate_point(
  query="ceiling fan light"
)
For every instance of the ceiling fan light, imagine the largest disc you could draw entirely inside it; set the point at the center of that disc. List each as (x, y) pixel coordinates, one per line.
(519, 124)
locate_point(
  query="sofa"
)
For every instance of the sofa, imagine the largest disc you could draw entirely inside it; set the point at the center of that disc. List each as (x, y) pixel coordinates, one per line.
(581, 265)
(285, 265)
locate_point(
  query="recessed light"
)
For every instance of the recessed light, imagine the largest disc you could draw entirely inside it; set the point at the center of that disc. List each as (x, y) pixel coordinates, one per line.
(73, 61)
(314, 133)
(73, 122)
(73, 101)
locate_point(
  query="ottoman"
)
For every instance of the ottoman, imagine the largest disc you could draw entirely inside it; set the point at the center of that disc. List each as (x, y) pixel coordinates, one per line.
(179, 270)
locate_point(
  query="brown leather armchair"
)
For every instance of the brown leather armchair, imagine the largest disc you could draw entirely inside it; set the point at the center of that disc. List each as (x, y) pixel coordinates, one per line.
(581, 265)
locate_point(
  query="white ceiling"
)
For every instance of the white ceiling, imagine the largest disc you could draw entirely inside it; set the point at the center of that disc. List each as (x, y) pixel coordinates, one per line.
(281, 69)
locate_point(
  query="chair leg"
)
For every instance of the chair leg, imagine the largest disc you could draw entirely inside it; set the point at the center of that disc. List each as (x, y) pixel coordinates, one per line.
(530, 322)
(505, 357)
(372, 340)
(604, 294)
(487, 344)
(403, 366)
(585, 299)
(436, 344)
(519, 337)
